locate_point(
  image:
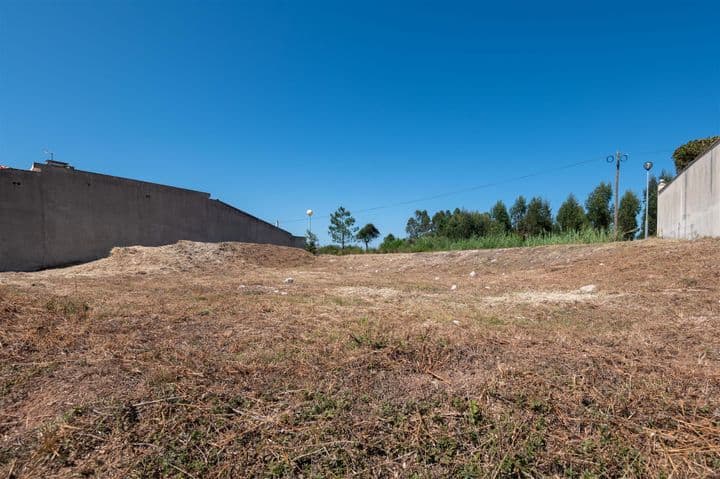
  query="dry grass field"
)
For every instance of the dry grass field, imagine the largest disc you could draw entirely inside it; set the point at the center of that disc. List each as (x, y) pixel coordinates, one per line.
(201, 361)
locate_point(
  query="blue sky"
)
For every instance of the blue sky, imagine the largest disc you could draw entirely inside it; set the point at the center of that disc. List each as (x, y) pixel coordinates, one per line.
(277, 107)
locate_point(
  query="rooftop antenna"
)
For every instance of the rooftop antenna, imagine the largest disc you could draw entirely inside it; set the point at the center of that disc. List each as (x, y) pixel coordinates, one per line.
(49, 153)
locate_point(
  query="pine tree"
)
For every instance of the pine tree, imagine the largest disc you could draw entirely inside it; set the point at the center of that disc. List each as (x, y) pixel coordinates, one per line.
(627, 215)
(419, 225)
(597, 206)
(342, 227)
(571, 216)
(538, 218)
(368, 233)
(517, 213)
(500, 216)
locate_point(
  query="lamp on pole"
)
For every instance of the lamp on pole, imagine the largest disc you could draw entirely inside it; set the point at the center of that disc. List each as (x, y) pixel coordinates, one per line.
(309, 214)
(617, 158)
(648, 166)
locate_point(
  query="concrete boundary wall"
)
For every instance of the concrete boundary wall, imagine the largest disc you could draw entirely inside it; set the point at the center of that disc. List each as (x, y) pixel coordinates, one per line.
(689, 206)
(54, 215)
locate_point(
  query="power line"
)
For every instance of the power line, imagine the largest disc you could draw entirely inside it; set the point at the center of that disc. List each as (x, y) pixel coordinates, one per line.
(478, 187)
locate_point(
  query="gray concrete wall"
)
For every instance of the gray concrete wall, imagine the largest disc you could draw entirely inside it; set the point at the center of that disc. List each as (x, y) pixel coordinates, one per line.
(55, 216)
(689, 206)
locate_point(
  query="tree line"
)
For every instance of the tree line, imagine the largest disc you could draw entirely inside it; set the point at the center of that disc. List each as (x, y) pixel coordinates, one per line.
(525, 218)
(528, 217)
(534, 217)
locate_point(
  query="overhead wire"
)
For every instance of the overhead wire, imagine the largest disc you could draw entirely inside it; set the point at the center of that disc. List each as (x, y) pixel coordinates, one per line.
(477, 187)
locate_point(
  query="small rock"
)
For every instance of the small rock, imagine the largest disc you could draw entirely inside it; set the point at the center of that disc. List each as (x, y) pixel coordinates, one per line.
(289, 280)
(284, 293)
(473, 274)
(241, 286)
(453, 287)
(437, 278)
(590, 288)
(456, 322)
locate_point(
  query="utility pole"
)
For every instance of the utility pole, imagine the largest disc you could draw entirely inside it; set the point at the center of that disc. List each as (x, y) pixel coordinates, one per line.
(617, 158)
(648, 166)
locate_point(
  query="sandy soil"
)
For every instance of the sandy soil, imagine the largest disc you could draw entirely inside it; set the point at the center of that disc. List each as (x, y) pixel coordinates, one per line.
(236, 360)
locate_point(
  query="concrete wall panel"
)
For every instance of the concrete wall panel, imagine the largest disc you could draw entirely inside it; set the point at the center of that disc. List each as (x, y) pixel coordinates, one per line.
(57, 216)
(689, 207)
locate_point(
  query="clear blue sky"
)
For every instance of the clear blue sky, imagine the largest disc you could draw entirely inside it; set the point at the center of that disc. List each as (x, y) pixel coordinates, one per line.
(277, 107)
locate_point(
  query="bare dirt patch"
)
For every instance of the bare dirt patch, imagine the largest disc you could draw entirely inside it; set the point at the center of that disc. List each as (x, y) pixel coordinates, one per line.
(201, 360)
(367, 292)
(535, 297)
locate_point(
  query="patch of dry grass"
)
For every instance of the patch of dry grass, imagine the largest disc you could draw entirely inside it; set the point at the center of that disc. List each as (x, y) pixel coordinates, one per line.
(365, 365)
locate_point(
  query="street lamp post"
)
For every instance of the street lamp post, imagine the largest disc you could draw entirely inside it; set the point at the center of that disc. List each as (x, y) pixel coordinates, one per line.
(309, 214)
(648, 166)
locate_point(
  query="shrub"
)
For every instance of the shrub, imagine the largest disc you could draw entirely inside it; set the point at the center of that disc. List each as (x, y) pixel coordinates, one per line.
(687, 153)
(506, 240)
(391, 244)
(338, 250)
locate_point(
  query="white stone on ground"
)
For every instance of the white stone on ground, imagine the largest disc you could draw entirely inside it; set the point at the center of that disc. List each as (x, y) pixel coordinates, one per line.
(590, 288)
(289, 280)
(473, 274)
(453, 287)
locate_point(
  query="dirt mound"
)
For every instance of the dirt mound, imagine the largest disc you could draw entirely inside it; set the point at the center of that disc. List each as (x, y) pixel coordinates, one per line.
(193, 256)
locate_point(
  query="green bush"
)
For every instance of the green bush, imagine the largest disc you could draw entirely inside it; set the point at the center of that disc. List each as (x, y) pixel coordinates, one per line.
(506, 240)
(337, 250)
(391, 244)
(311, 242)
(687, 153)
